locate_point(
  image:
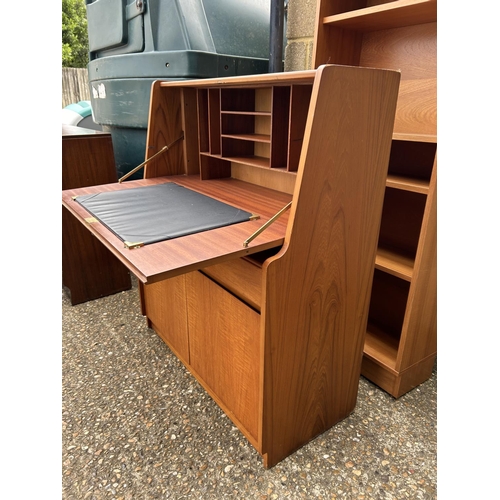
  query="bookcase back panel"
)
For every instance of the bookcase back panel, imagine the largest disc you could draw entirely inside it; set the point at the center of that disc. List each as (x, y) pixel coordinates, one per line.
(412, 159)
(401, 221)
(413, 50)
(388, 303)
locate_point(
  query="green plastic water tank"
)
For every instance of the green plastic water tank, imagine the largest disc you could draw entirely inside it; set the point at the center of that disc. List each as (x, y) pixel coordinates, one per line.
(135, 42)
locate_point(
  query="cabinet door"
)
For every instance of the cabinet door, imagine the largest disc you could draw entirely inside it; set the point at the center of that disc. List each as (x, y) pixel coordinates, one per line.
(165, 307)
(224, 342)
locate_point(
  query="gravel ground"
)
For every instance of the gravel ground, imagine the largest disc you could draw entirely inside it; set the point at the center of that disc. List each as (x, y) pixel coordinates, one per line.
(138, 426)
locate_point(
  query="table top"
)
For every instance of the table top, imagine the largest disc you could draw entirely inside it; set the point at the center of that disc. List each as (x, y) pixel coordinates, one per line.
(73, 130)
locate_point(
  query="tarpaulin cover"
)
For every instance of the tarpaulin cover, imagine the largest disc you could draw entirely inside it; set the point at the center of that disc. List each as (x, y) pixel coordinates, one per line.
(161, 212)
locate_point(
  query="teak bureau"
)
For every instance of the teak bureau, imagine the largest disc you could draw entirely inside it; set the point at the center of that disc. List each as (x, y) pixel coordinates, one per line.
(273, 328)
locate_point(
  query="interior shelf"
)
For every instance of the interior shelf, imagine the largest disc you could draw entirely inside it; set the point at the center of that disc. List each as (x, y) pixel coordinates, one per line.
(394, 263)
(256, 161)
(398, 136)
(386, 16)
(381, 346)
(388, 305)
(247, 113)
(407, 184)
(249, 137)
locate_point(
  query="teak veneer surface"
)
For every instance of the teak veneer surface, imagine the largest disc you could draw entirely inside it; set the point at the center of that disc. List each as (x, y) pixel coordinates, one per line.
(388, 15)
(89, 270)
(317, 289)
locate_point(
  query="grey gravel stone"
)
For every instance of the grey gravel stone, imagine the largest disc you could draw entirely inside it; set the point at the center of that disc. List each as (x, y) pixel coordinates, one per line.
(137, 425)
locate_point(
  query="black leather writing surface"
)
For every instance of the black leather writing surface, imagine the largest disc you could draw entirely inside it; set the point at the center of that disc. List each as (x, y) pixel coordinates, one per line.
(161, 212)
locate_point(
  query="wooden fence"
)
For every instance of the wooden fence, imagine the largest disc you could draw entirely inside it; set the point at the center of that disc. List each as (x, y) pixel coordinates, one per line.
(75, 85)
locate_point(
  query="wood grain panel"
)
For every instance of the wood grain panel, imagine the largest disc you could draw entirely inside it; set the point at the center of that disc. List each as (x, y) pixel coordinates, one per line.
(417, 108)
(324, 273)
(89, 270)
(214, 120)
(166, 309)
(335, 45)
(413, 51)
(279, 127)
(299, 108)
(225, 349)
(414, 375)
(213, 167)
(87, 158)
(419, 339)
(165, 125)
(190, 144)
(203, 121)
(240, 277)
(279, 180)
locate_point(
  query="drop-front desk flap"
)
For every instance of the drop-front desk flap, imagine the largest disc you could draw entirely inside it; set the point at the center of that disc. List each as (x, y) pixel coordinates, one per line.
(164, 259)
(237, 140)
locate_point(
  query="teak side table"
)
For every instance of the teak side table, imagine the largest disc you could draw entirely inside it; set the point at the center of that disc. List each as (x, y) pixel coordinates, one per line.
(89, 270)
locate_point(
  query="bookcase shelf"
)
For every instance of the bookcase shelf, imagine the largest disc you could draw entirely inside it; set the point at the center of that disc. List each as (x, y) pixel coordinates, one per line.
(394, 263)
(389, 15)
(381, 347)
(407, 184)
(401, 340)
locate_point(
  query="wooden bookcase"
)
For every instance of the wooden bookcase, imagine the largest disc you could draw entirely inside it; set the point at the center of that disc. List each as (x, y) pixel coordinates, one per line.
(273, 329)
(401, 343)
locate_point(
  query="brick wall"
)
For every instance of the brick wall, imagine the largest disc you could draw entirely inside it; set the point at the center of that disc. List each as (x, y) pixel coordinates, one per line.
(301, 20)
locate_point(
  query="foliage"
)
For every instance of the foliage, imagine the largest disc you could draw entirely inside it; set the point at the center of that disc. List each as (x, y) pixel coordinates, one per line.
(74, 34)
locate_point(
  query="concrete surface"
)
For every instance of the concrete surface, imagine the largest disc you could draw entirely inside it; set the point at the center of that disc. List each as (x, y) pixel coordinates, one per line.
(137, 425)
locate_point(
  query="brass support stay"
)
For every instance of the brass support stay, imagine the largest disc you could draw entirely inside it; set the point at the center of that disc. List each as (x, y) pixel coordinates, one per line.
(163, 149)
(267, 224)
